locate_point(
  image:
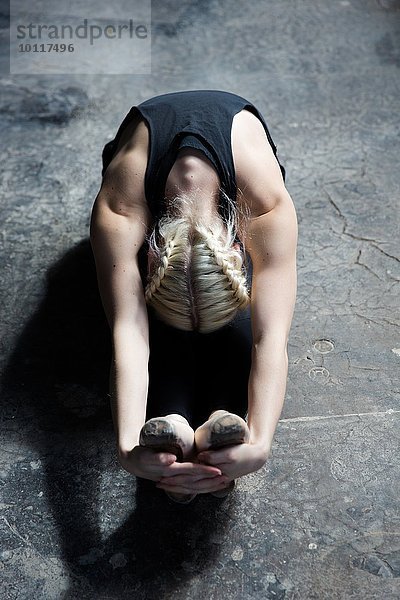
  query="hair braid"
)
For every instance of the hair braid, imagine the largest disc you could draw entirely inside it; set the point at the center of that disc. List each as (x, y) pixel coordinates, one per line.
(196, 276)
(231, 268)
(158, 276)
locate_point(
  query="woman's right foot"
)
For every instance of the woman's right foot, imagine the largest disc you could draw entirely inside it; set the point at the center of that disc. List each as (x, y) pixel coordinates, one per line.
(225, 491)
(222, 429)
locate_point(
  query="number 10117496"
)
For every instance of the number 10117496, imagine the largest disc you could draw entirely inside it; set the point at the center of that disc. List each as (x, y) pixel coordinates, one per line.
(46, 48)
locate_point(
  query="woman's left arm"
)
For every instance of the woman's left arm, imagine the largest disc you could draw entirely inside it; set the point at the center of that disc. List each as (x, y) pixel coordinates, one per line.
(271, 241)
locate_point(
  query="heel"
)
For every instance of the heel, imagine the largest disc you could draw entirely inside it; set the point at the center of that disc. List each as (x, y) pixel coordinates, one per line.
(225, 492)
(171, 434)
(222, 429)
(159, 434)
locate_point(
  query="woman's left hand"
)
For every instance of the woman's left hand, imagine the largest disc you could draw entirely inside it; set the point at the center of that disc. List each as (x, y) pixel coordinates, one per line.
(233, 462)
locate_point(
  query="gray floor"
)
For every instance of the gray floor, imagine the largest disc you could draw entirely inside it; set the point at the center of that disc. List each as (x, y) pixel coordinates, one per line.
(322, 519)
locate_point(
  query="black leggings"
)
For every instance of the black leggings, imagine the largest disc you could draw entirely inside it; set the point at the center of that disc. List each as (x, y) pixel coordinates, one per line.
(193, 374)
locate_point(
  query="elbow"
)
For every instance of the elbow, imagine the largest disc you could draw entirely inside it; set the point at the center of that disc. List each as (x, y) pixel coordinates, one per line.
(277, 341)
(271, 349)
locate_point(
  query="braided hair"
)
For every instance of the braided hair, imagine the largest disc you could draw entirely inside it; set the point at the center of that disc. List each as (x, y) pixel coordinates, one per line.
(197, 281)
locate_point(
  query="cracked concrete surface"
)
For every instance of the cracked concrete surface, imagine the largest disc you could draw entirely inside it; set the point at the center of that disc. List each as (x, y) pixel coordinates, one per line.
(322, 519)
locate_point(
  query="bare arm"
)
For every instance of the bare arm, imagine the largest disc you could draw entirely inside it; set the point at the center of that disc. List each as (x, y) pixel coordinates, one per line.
(272, 242)
(118, 227)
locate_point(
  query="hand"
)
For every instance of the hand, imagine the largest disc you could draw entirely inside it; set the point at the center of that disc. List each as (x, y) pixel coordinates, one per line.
(148, 464)
(232, 462)
(235, 461)
(193, 482)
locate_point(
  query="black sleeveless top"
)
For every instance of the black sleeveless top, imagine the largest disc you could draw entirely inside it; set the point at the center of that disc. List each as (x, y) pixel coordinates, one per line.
(199, 119)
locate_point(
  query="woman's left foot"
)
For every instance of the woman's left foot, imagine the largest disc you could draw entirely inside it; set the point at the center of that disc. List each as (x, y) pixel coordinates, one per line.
(171, 433)
(174, 435)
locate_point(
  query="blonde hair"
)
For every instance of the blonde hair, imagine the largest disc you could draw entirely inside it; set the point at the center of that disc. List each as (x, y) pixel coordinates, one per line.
(197, 275)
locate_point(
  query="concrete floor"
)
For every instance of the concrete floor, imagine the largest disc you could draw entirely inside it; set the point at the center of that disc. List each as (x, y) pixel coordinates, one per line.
(322, 519)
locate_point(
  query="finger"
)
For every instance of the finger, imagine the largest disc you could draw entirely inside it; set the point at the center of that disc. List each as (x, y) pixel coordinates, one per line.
(215, 485)
(167, 459)
(214, 457)
(177, 474)
(204, 486)
(150, 459)
(192, 469)
(182, 479)
(156, 459)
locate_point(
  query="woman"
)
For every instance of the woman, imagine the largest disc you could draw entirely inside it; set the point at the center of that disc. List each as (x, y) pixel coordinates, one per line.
(194, 236)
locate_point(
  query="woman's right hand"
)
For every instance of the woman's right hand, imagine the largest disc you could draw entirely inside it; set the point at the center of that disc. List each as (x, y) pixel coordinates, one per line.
(145, 463)
(148, 464)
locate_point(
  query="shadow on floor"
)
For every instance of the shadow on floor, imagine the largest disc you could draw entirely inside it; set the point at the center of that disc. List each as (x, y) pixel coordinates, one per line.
(55, 393)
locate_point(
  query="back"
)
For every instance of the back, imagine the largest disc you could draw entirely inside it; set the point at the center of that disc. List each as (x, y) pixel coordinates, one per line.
(199, 119)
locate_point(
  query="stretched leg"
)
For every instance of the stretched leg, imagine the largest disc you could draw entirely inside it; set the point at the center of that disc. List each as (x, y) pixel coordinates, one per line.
(226, 358)
(223, 361)
(171, 395)
(171, 382)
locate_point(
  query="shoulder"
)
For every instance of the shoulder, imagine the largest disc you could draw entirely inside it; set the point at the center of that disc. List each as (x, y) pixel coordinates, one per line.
(258, 174)
(123, 184)
(271, 237)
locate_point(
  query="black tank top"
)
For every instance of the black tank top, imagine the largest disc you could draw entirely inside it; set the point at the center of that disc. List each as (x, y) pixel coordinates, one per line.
(199, 119)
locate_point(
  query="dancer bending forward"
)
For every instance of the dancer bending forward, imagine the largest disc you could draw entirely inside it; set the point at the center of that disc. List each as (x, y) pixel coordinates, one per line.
(194, 235)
